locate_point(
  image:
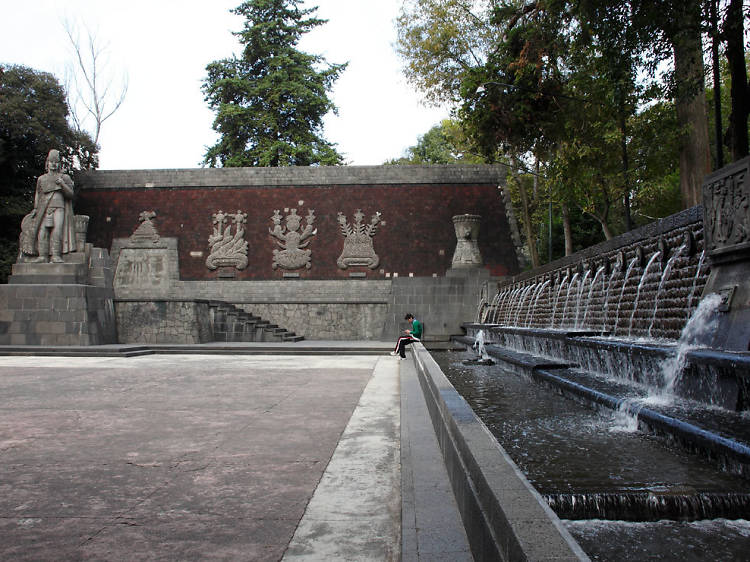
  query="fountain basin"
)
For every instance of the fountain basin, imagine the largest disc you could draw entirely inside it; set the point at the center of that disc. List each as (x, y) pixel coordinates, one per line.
(698, 431)
(716, 378)
(504, 516)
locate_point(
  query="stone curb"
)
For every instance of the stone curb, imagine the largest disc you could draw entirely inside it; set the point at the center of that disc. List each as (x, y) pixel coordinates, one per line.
(504, 516)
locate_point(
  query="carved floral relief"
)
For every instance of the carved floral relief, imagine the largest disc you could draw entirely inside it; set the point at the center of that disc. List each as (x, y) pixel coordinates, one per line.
(227, 249)
(358, 249)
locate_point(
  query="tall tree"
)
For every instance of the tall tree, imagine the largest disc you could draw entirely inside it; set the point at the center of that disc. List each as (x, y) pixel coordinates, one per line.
(33, 120)
(733, 32)
(271, 100)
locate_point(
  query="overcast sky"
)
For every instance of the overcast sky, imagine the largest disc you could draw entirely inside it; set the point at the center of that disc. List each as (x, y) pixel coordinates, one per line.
(164, 45)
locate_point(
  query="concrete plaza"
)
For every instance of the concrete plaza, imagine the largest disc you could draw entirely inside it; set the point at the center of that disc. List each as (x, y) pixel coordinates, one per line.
(221, 457)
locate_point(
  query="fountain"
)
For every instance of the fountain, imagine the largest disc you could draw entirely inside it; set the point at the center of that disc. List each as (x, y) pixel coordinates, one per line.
(483, 357)
(650, 332)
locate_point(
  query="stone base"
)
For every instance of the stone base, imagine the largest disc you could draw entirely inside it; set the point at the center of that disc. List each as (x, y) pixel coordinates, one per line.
(733, 330)
(62, 314)
(49, 274)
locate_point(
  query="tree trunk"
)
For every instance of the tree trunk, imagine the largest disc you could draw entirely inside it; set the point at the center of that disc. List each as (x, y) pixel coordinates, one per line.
(567, 231)
(733, 32)
(527, 226)
(690, 101)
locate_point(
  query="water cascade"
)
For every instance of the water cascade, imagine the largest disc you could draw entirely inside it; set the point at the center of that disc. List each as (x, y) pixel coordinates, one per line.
(653, 259)
(648, 334)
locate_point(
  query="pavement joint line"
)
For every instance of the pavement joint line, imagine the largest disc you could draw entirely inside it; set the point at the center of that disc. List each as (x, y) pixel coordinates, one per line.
(355, 510)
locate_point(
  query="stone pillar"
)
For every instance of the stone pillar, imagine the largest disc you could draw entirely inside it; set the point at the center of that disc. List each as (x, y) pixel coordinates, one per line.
(726, 229)
(467, 255)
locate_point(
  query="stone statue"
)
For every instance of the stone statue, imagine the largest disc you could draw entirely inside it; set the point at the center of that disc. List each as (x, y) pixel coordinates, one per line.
(48, 231)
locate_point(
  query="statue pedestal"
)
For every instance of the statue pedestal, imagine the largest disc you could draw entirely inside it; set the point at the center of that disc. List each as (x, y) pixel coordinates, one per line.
(69, 303)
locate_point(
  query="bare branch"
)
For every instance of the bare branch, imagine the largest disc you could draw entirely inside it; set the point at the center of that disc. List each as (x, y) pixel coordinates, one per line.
(94, 94)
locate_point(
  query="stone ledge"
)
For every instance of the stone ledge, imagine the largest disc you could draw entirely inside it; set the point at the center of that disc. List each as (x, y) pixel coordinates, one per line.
(323, 176)
(504, 516)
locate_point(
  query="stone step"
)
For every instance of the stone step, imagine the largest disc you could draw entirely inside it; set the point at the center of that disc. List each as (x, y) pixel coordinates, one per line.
(232, 324)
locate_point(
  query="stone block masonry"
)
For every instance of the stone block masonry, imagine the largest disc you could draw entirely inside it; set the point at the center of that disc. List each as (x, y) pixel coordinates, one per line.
(56, 315)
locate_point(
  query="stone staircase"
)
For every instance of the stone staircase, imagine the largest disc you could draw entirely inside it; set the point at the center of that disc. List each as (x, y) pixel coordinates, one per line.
(231, 324)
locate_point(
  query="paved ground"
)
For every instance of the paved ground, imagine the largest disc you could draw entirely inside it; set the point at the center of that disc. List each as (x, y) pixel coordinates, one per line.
(201, 457)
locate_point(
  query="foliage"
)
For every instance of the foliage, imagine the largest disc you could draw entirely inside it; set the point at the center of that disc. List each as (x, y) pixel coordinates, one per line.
(445, 143)
(33, 120)
(270, 101)
(605, 94)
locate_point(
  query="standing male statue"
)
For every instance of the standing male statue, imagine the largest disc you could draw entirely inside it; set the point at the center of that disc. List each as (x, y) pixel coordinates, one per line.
(48, 231)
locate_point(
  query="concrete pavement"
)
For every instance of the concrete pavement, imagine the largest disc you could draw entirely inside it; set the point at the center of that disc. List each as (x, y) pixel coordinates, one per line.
(201, 457)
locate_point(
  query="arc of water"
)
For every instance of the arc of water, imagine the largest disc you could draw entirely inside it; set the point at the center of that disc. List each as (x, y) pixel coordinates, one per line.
(695, 283)
(581, 288)
(521, 302)
(509, 309)
(530, 317)
(599, 271)
(664, 277)
(500, 300)
(701, 324)
(492, 314)
(605, 315)
(567, 298)
(500, 304)
(631, 265)
(557, 298)
(638, 291)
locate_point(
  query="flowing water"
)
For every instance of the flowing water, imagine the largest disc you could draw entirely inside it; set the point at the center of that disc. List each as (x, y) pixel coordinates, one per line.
(591, 465)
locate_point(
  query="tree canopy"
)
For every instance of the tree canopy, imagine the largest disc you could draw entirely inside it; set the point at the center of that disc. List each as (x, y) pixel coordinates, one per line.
(270, 101)
(445, 143)
(577, 89)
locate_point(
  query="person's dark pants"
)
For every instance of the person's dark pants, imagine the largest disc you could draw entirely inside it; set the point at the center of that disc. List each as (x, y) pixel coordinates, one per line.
(402, 343)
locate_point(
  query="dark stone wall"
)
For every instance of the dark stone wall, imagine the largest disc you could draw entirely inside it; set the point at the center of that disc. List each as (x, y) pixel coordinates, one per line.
(417, 237)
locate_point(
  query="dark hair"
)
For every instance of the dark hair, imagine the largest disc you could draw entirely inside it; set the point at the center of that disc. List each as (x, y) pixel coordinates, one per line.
(409, 315)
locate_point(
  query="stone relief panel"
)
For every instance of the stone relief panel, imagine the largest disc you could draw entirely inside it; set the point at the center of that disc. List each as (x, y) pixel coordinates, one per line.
(139, 269)
(227, 249)
(358, 248)
(726, 210)
(292, 239)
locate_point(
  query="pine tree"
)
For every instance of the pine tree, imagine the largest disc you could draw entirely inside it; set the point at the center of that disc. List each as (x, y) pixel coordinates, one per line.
(270, 101)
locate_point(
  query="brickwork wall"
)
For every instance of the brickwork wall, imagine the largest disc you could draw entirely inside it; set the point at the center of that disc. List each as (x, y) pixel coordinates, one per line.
(416, 207)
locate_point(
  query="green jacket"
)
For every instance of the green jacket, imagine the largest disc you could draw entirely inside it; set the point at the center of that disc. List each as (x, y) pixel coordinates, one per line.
(416, 329)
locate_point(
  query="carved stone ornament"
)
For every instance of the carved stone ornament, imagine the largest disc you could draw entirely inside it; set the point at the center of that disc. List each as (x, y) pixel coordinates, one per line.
(227, 249)
(292, 240)
(145, 235)
(467, 248)
(726, 210)
(358, 249)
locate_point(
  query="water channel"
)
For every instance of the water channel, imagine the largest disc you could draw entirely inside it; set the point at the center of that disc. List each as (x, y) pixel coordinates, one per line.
(622, 493)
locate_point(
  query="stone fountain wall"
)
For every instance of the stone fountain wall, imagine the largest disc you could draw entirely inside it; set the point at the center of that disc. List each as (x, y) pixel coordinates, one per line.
(644, 283)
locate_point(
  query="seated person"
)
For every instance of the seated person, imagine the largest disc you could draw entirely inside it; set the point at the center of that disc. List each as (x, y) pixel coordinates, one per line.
(412, 335)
